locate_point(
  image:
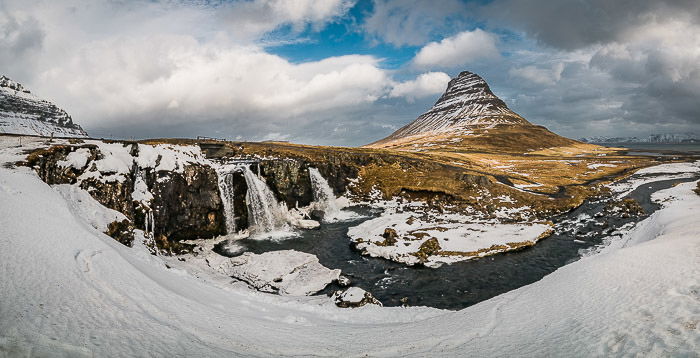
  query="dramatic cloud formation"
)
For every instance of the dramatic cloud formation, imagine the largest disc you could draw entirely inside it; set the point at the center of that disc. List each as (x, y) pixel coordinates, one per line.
(349, 72)
(426, 84)
(458, 50)
(414, 22)
(252, 18)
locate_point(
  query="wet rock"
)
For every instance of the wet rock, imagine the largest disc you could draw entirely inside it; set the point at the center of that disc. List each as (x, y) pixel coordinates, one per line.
(390, 237)
(428, 248)
(624, 208)
(354, 297)
(121, 231)
(344, 281)
(187, 205)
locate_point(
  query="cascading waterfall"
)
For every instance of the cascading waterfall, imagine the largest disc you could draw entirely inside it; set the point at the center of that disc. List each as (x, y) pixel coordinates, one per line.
(265, 214)
(227, 195)
(324, 198)
(144, 196)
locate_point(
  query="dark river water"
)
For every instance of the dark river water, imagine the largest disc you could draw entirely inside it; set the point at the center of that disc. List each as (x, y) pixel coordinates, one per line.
(462, 284)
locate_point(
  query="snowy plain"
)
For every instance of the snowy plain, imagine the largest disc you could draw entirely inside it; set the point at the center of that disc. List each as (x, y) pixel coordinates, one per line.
(69, 290)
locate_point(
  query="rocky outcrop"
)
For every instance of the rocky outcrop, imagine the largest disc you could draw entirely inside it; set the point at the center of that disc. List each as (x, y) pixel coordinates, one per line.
(184, 204)
(354, 297)
(286, 272)
(23, 113)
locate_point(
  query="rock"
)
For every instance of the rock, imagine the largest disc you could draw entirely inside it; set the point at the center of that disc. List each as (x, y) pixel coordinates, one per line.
(344, 281)
(121, 231)
(186, 204)
(625, 208)
(287, 272)
(390, 236)
(354, 297)
(428, 248)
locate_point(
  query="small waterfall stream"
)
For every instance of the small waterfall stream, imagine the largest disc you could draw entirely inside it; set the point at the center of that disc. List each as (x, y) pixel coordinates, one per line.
(264, 212)
(324, 198)
(228, 195)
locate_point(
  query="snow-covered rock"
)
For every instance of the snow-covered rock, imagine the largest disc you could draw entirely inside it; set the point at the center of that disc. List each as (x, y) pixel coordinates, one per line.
(413, 236)
(354, 297)
(287, 272)
(21, 112)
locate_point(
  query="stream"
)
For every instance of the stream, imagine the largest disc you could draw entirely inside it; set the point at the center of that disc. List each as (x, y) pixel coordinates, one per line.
(466, 283)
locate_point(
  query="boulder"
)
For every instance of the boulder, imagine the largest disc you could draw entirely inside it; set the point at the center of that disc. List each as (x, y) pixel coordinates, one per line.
(287, 272)
(354, 297)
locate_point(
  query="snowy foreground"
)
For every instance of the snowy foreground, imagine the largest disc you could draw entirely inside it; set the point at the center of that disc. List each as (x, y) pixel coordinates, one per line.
(69, 290)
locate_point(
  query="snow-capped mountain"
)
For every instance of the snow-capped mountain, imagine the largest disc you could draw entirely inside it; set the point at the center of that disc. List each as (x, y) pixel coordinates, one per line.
(469, 116)
(21, 112)
(468, 101)
(664, 138)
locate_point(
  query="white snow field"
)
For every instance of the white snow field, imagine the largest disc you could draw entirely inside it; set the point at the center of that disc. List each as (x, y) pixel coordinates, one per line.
(68, 290)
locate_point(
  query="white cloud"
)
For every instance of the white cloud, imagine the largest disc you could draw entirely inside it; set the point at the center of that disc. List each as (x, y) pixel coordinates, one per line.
(426, 84)
(537, 75)
(195, 81)
(253, 18)
(413, 22)
(170, 66)
(463, 48)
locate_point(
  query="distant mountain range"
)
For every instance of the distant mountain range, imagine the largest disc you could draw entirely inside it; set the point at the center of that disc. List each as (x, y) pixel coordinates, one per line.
(666, 138)
(21, 112)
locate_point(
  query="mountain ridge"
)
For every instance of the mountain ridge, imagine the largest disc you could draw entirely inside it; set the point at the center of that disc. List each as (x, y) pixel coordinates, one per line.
(21, 112)
(657, 138)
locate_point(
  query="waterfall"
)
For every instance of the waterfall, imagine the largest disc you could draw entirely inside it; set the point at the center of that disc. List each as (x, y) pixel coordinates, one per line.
(149, 225)
(265, 214)
(324, 198)
(144, 196)
(227, 195)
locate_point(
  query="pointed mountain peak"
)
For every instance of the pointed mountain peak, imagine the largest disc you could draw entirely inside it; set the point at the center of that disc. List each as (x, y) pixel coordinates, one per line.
(467, 101)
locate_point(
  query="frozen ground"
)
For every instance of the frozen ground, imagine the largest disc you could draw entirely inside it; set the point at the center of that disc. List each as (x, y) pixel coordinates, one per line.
(454, 237)
(69, 290)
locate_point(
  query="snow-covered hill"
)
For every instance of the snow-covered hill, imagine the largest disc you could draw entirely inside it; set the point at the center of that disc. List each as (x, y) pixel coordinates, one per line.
(21, 112)
(69, 290)
(468, 101)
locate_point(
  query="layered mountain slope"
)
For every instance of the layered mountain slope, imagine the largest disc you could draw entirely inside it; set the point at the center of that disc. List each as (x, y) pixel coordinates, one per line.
(23, 113)
(469, 114)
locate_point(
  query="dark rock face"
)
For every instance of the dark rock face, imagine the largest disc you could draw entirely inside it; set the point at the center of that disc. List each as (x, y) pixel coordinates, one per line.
(185, 205)
(289, 178)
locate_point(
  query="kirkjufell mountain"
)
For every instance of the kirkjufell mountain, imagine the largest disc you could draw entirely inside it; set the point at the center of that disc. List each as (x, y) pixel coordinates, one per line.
(467, 114)
(21, 112)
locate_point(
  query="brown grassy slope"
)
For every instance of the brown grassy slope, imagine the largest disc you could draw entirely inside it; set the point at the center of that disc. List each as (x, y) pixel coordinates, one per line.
(460, 175)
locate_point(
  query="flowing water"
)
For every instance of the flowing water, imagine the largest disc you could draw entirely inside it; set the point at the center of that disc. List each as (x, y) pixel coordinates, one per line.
(225, 174)
(324, 198)
(461, 284)
(265, 213)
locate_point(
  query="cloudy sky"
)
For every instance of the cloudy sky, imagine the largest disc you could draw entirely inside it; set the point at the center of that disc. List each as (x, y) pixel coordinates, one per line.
(346, 72)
